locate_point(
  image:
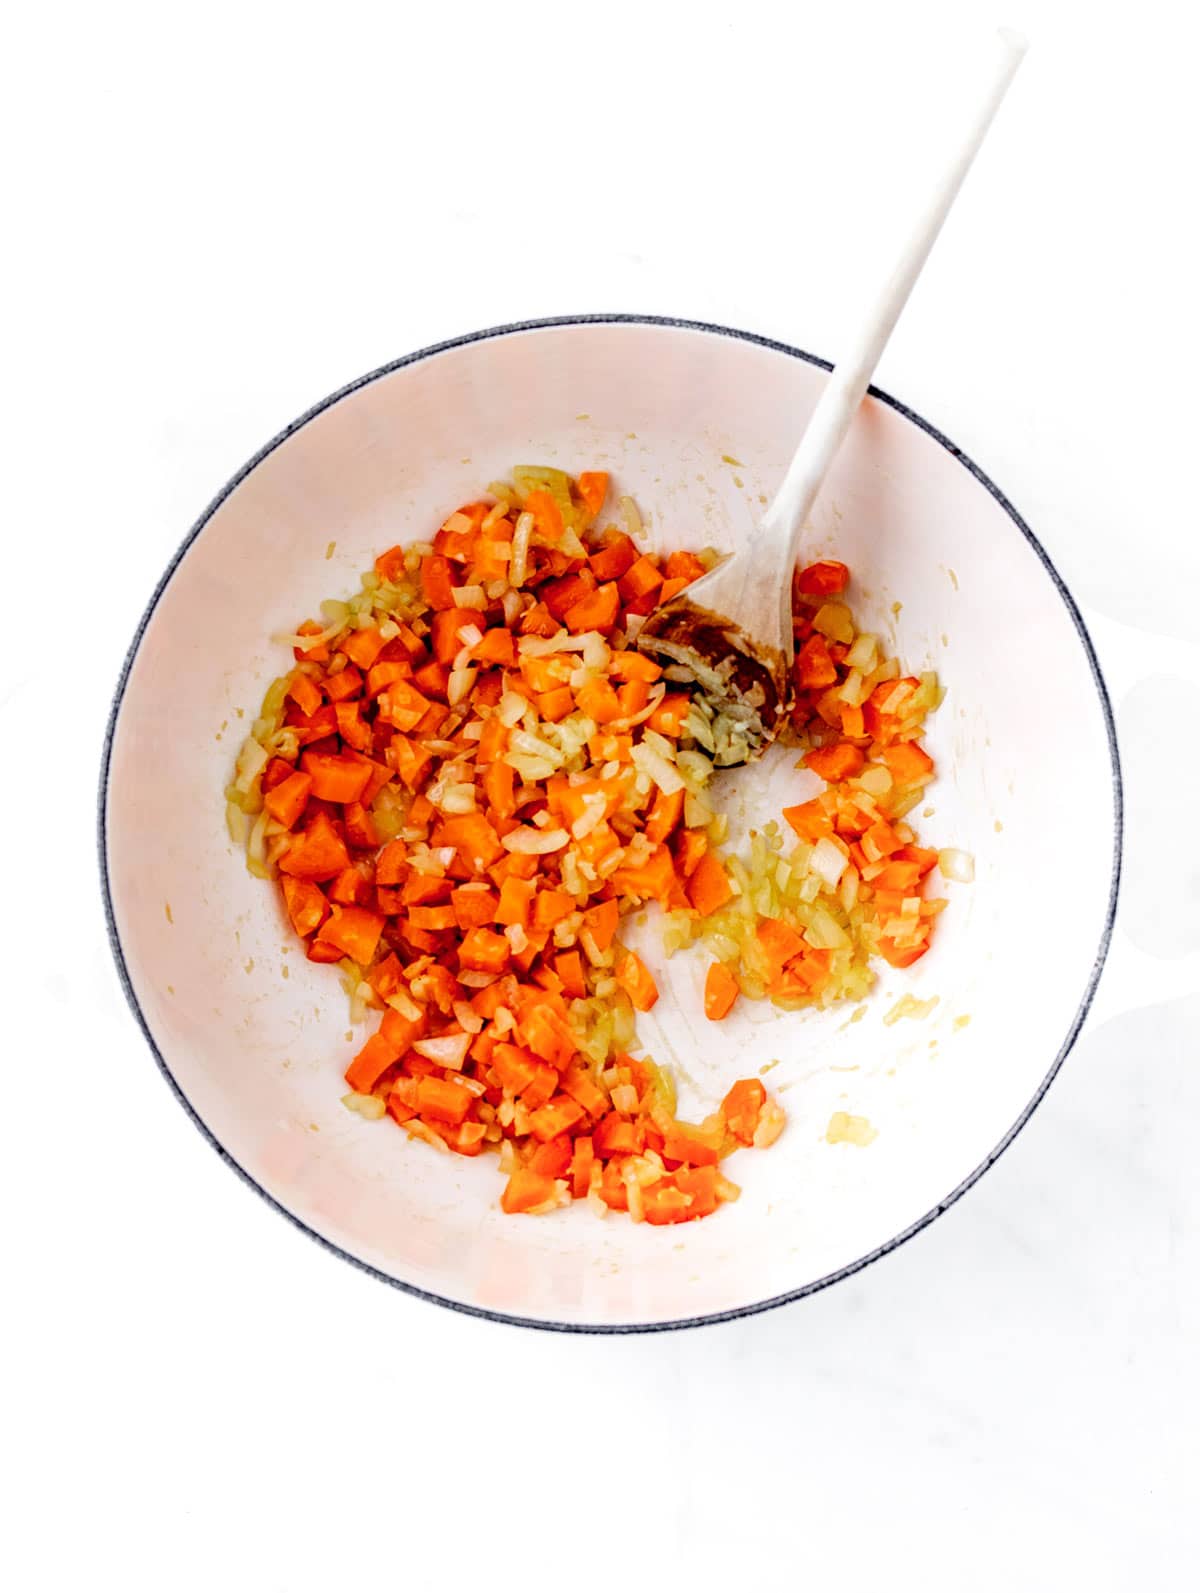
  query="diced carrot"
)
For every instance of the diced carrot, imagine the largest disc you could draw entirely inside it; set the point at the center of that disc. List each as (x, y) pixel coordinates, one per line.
(362, 647)
(484, 951)
(709, 889)
(553, 1159)
(597, 611)
(683, 564)
(276, 772)
(685, 1142)
(550, 906)
(444, 1099)
(880, 840)
(306, 905)
(699, 1185)
(558, 1116)
(671, 588)
(546, 1033)
(495, 648)
(721, 990)
(389, 566)
(465, 1139)
(349, 889)
(614, 1135)
(632, 665)
(901, 956)
(613, 557)
(356, 930)
(317, 852)
(391, 866)
(641, 579)
(446, 628)
(347, 683)
(908, 762)
(352, 727)
(305, 692)
(545, 674)
(569, 967)
(664, 1203)
(433, 678)
(287, 801)
(526, 1191)
(809, 820)
(689, 847)
(498, 784)
(399, 1031)
(335, 778)
(493, 743)
(420, 811)
(665, 813)
(602, 920)
(413, 762)
(582, 1160)
(538, 621)
(815, 668)
(652, 880)
(371, 1063)
(636, 980)
(547, 516)
(597, 699)
(438, 580)
(472, 836)
(671, 714)
(359, 825)
(515, 897)
(557, 704)
(632, 697)
(839, 761)
(779, 943)
(823, 579)
(742, 1108)
(474, 907)
(402, 706)
(593, 489)
(435, 918)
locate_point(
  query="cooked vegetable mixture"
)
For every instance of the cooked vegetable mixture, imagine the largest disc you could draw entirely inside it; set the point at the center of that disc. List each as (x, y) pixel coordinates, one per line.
(471, 777)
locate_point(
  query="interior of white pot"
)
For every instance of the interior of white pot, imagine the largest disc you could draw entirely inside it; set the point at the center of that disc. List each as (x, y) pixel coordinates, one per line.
(257, 1038)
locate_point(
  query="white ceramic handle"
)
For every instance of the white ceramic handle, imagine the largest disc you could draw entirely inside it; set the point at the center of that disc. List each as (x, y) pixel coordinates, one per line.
(1132, 977)
(847, 385)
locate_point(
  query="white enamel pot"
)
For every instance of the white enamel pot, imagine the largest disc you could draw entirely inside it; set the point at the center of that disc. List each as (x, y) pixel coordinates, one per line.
(1028, 783)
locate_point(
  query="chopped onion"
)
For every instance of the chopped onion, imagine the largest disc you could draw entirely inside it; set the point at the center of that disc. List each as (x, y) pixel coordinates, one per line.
(474, 979)
(651, 763)
(459, 685)
(595, 805)
(827, 861)
(519, 561)
(863, 653)
(448, 1050)
(469, 596)
(251, 761)
(368, 1106)
(537, 842)
(957, 865)
(405, 1006)
(466, 1017)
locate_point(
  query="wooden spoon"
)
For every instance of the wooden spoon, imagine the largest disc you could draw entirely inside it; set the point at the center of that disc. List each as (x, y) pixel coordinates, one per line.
(732, 629)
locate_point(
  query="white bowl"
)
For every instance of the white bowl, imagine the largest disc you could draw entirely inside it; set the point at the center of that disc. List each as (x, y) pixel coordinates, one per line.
(1028, 782)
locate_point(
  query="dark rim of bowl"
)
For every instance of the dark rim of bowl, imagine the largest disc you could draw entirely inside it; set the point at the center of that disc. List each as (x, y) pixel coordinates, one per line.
(754, 1307)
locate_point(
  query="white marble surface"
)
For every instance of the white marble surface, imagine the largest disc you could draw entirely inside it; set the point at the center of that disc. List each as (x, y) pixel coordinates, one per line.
(223, 214)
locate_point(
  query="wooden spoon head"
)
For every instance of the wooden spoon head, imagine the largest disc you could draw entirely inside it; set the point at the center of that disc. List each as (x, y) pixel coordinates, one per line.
(745, 688)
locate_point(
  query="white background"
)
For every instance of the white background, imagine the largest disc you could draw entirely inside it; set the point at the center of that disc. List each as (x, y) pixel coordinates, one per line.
(216, 214)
